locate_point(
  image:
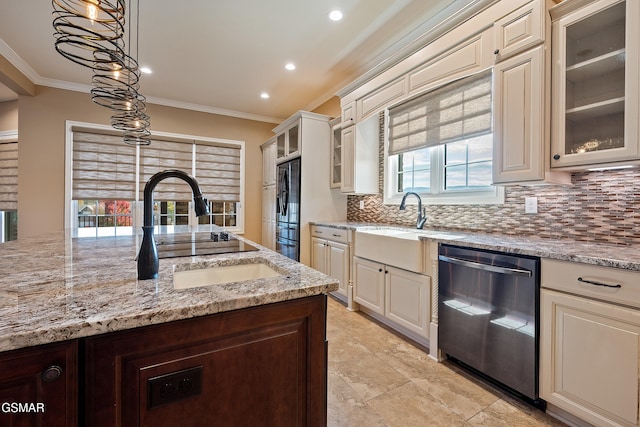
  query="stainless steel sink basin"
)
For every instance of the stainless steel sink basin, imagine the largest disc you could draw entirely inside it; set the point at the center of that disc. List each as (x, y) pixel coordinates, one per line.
(187, 276)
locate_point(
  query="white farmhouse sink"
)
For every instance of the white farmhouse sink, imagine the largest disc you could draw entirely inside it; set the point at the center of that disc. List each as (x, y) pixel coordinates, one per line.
(399, 248)
(220, 274)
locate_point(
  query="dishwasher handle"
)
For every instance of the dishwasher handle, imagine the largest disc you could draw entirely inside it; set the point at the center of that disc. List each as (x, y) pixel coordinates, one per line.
(485, 267)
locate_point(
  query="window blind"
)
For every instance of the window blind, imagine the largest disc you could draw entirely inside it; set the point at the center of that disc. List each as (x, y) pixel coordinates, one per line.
(458, 110)
(218, 171)
(8, 176)
(161, 155)
(103, 167)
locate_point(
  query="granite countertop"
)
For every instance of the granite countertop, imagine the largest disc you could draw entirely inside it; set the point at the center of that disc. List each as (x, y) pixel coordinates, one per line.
(626, 257)
(55, 287)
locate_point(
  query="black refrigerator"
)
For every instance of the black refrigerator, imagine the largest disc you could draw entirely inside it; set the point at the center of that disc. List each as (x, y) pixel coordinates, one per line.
(288, 209)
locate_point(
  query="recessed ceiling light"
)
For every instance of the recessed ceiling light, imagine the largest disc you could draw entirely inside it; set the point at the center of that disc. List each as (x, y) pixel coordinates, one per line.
(145, 70)
(335, 15)
(264, 95)
(290, 66)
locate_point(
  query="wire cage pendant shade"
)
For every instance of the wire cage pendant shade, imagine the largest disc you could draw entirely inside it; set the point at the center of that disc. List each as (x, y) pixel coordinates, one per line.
(93, 33)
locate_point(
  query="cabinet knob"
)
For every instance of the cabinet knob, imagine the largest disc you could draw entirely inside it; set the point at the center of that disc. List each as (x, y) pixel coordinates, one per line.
(556, 157)
(51, 374)
(379, 270)
(497, 51)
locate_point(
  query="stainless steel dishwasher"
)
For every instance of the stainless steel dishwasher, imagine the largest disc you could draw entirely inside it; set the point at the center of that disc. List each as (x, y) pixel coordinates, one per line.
(489, 315)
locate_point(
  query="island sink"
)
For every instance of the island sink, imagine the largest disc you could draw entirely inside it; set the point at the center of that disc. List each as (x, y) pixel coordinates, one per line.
(186, 276)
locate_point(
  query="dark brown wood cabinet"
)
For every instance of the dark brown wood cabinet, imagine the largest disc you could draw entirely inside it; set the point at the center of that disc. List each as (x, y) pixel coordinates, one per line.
(38, 386)
(261, 366)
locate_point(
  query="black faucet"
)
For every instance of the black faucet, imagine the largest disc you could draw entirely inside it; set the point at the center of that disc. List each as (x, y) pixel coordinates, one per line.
(148, 255)
(422, 214)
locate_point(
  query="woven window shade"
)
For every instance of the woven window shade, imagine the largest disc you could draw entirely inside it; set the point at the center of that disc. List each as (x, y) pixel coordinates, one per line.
(8, 176)
(458, 110)
(217, 169)
(103, 167)
(161, 155)
(218, 172)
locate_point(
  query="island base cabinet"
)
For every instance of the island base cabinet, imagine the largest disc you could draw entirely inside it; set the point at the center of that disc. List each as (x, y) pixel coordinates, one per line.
(589, 358)
(257, 366)
(38, 386)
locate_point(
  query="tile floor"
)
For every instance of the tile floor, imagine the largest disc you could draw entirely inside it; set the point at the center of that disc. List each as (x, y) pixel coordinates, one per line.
(378, 379)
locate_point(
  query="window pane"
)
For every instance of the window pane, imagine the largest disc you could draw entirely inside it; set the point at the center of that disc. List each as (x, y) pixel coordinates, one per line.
(455, 177)
(480, 174)
(422, 159)
(422, 181)
(455, 153)
(407, 182)
(182, 220)
(405, 162)
(217, 207)
(481, 148)
(182, 208)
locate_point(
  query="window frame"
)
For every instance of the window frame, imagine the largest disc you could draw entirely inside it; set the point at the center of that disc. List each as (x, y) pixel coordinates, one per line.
(70, 213)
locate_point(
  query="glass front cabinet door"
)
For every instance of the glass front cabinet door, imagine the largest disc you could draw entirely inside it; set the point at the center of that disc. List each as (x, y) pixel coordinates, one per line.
(594, 102)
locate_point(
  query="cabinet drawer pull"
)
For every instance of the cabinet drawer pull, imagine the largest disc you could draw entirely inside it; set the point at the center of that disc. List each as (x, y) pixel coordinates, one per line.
(593, 282)
(51, 374)
(336, 235)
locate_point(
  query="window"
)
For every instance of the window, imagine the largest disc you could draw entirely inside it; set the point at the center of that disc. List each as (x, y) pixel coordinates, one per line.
(8, 186)
(107, 179)
(440, 145)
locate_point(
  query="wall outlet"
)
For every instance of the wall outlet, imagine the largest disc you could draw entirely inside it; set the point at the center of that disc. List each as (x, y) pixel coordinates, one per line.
(531, 205)
(361, 204)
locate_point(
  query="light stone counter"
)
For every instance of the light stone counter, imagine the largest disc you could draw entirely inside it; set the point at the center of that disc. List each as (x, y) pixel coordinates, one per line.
(54, 288)
(626, 257)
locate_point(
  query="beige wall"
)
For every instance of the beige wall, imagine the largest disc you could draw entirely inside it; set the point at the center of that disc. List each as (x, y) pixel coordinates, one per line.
(8, 116)
(41, 131)
(331, 107)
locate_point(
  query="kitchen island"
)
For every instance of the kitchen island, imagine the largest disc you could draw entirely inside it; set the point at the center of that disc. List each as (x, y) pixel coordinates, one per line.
(151, 352)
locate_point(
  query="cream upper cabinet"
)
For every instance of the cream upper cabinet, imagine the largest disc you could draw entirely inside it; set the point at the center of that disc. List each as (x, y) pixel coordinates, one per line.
(376, 101)
(335, 175)
(269, 162)
(520, 121)
(519, 30)
(590, 344)
(595, 87)
(518, 114)
(360, 146)
(348, 114)
(288, 142)
(467, 57)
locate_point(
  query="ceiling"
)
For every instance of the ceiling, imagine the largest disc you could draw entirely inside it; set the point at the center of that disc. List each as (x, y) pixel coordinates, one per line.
(219, 56)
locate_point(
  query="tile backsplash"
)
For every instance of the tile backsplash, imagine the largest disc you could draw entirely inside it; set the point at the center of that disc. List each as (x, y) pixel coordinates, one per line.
(601, 206)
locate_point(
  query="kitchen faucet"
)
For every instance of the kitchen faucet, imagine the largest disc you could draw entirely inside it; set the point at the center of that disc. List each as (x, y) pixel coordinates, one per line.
(148, 255)
(422, 215)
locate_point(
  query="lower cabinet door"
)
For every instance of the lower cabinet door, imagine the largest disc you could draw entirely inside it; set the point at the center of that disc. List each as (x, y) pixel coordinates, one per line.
(338, 264)
(407, 301)
(39, 386)
(261, 366)
(369, 284)
(590, 353)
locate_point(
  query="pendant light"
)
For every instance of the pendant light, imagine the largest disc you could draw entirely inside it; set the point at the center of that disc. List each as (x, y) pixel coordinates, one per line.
(92, 33)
